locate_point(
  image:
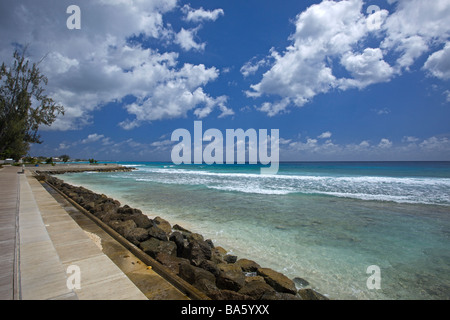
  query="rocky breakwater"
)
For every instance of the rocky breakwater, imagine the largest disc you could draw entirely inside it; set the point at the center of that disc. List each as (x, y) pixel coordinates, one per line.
(76, 168)
(207, 267)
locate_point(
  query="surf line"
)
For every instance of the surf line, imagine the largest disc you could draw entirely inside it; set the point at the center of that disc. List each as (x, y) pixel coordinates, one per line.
(255, 145)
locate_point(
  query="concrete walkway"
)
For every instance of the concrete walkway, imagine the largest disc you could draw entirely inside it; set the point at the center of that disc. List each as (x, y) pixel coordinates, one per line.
(9, 193)
(34, 265)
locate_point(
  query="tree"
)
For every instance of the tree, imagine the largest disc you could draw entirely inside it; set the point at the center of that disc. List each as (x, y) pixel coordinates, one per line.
(64, 158)
(24, 106)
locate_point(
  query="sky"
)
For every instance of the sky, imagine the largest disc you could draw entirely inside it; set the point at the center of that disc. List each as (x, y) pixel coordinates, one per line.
(342, 80)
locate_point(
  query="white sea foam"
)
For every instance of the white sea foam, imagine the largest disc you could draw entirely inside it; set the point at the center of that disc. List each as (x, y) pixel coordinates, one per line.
(426, 190)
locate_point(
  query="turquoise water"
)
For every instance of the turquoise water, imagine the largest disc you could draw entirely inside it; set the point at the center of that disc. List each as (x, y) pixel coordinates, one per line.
(325, 222)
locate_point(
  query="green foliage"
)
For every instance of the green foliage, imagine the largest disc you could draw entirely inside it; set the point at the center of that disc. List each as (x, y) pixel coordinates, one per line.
(29, 159)
(24, 106)
(49, 160)
(64, 158)
(92, 161)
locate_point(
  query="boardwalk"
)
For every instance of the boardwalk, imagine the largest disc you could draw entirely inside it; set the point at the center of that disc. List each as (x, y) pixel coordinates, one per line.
(9, 183)
(40, 240)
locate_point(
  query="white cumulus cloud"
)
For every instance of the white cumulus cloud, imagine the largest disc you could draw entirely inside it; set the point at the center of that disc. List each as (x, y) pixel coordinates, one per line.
(198, 15)
(332, 36)
(101, 63)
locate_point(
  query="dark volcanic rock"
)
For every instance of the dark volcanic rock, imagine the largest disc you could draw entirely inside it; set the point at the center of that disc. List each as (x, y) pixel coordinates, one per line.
(300, 282)
(256, 289)
(229, 258)
(181, 229)
(217, 255)
(279, 296)
(163, 224)
(210, 243)
(157, 233)
(122, 227)
(231, 295)
(107, 217)
(154, 246)
(209, 288)
(141, 220)
(170, 261)
(193, 274)
(178, 238)
(248, 265)
(230, 277)
(195, 237)
(197, 251)
(138, 235)
(128, 210)
(277, 280)
(310, 294)
(108, 207)
(210, 266)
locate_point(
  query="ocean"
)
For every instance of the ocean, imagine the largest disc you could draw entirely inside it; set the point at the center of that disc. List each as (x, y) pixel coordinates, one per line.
(325, 222)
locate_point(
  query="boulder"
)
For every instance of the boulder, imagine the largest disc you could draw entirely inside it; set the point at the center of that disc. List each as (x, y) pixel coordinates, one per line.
(122, 227)
(89, 206)
(137, 235)
(210, 266)
(195, 237)
(128, 210)
(170, 261)
(156, 232)
(154, 246)
(217, 256)
(256, 289)
(177, 237)
(107, 217)
(193, 274)
(310, 294)
(209, 288)
(300, 282)
(254, 278)
(163, 224)
(108, 207)
(181, 229)
(279, 296)
(141, 220)
(197, 251)
(277, 280)
(230, 295)
(229, 258)
(248, 265)
(221, 250)
(230, 277)
(210, 243)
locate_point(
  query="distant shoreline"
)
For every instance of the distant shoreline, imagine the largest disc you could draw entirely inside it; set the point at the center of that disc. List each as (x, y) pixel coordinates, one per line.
(65, 168)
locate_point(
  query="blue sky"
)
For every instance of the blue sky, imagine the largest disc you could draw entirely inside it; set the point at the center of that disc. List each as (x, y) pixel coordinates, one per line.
(339, 81)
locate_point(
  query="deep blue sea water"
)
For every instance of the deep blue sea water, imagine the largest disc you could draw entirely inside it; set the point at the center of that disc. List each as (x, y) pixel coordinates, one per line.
(326, 222)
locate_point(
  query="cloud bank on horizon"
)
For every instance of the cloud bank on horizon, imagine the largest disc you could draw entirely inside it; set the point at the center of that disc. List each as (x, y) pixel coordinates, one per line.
(147, 57)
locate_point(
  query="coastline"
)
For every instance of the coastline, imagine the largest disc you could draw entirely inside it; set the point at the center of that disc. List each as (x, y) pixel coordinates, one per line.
(211, 269)
(328, 240)
(73, 168)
